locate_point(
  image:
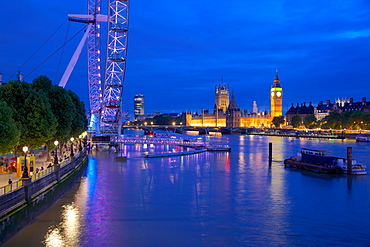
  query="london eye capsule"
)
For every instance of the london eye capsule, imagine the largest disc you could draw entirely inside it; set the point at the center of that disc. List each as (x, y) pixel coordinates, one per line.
(112, 104)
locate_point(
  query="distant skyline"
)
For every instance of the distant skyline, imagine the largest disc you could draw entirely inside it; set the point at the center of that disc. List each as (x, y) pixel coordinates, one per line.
(178, 51)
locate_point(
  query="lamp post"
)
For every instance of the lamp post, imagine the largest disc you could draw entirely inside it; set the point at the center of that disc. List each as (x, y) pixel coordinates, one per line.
(56, 153)
(25, 170)
(80, 141)
(72, 139)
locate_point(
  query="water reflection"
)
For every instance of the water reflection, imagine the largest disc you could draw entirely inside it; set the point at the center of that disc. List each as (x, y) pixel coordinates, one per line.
(68, 232)
(214, 199)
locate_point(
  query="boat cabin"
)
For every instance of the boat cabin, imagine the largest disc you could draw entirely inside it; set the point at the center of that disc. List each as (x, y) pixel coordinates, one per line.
(313, 151)
(316, 156)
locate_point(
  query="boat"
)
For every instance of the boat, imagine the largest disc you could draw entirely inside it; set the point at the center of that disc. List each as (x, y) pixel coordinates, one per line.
(357, 169)
(175, 153)
(320, 161)
(362, 138)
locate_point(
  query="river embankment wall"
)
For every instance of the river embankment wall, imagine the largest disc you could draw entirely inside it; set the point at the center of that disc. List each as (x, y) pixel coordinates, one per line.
(37, 196)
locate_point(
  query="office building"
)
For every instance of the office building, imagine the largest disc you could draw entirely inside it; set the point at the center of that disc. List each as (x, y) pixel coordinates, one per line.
(138, 105)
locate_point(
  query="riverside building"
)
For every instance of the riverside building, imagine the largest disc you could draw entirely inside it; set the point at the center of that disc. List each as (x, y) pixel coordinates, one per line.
(323, 109)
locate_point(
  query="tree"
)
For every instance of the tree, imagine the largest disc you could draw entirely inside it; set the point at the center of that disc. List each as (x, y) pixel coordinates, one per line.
(79, 122)
(296, 120)
(31, 113)
(352, 120)
(278, 121)
(310, 121)
(9, 134)
(332, 121)
(61, 105)
(162, 120)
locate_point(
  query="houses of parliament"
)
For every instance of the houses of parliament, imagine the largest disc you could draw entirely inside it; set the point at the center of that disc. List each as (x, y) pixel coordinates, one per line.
(226, 113)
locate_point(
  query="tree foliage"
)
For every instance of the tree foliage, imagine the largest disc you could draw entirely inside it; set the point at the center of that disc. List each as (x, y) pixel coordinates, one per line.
(296, 121)
(161, 120)
(9, 134)
(310, 121)
(61, 104)
(278, 121)
(34, 114)
(352, 120)
(31, 113)
(79, 122)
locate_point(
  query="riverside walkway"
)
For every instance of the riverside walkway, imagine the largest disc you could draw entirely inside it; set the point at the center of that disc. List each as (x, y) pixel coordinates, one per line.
(41, 161)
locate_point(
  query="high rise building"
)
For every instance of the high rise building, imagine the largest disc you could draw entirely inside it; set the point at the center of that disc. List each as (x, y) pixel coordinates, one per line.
(276, 98)
(222, 97)
(138, 105)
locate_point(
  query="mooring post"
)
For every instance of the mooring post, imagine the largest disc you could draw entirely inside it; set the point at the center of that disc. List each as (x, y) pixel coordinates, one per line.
(349, 160)
(270, 153)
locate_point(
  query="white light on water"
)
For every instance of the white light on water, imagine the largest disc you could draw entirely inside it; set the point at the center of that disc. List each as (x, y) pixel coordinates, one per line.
(68, 232)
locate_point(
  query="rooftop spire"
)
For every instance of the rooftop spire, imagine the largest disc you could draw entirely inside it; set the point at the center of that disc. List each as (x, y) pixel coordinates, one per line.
(277, 75)
(276, 80)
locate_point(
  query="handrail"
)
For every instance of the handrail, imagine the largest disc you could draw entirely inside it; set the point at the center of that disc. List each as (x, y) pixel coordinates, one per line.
(14, 194)
(16, 185)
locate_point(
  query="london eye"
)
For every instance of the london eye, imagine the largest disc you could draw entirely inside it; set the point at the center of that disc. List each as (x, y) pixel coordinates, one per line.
(105, 96)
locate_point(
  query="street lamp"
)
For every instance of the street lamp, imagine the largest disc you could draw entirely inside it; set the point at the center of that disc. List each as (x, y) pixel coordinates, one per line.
(72, 139)
(56, 153)
(80, 142)
(25, 170)
(173, 123)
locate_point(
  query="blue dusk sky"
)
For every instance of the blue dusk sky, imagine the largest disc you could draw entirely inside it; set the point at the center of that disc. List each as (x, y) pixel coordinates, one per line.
(179, 50)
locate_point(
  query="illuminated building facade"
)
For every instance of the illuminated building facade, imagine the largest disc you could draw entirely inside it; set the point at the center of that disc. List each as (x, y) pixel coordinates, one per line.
(276, 98)
(232, 116)
(138, 105)
(222, 93)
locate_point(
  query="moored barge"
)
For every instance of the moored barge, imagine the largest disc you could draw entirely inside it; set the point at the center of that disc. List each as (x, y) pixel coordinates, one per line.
(319, 161)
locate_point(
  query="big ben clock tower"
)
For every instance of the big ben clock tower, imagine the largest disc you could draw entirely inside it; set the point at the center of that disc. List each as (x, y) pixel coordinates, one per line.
(276, 98)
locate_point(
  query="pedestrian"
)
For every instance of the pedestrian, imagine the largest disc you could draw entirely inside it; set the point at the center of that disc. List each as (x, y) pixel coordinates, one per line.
(10, 181)
(42, 168)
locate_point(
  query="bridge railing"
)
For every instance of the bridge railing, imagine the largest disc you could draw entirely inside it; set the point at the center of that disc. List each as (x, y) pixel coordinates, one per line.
(158, 140)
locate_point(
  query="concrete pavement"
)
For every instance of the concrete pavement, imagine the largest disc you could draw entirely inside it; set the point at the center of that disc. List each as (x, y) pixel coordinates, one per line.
(41, 161)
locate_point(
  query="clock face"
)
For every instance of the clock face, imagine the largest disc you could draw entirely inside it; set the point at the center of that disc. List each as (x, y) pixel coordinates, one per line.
(278, 94)
(272, 94)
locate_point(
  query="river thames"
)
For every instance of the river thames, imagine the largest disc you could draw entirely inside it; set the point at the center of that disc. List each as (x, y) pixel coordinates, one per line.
(210, 199)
